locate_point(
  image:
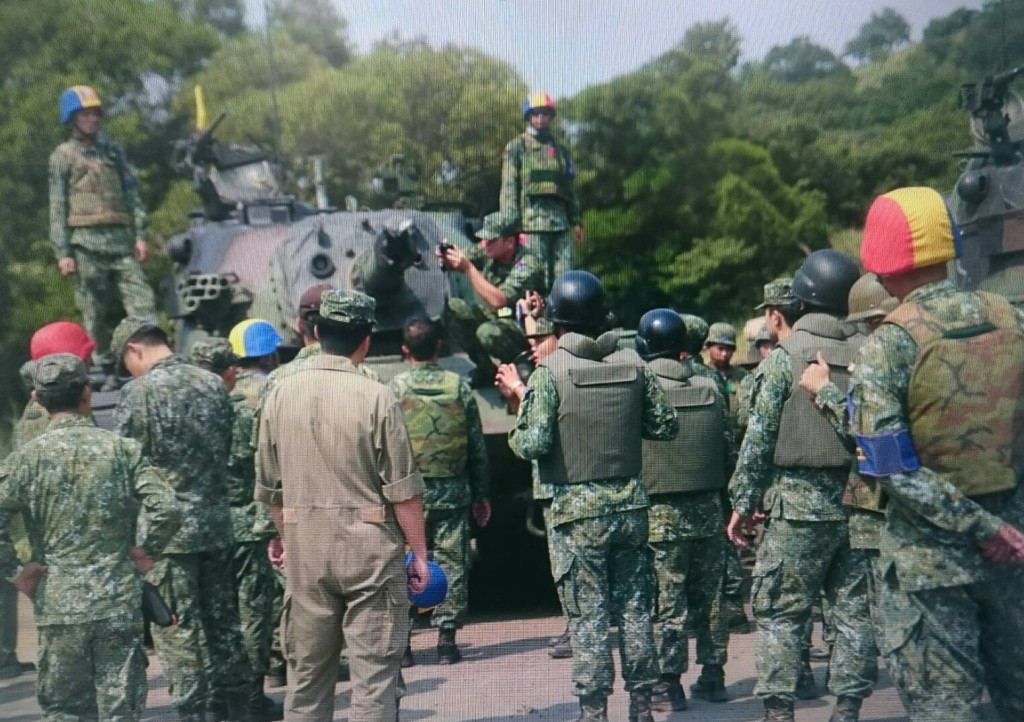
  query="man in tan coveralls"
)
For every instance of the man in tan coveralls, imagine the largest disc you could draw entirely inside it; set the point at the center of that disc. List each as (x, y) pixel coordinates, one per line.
(335, 465)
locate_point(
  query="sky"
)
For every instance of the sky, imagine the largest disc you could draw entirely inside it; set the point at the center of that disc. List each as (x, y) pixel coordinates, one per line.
(563, 46)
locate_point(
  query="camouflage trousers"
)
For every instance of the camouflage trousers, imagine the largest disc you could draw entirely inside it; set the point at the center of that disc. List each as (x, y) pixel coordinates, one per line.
(944, 647)
(797, 561)
(556, 548)
(605, 572)
(483, 338)
(105, 284)
(254, 578)
(8, 624)
(554, 249)
(92, 670)
(280, 581)
(203, 654)
(689, 574)
(448, 543)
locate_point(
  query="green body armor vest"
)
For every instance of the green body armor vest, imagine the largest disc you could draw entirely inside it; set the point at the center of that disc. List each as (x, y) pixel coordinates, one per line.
(543, 169)
(966, 397)
(96, 194)
(806, 438)
(436, 419)
(695, 459)
(600, 411)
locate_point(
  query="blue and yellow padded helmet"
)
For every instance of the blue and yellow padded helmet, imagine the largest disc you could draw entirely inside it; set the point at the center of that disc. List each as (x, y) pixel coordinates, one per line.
(535, 101)
(75, 98)
(253, 338)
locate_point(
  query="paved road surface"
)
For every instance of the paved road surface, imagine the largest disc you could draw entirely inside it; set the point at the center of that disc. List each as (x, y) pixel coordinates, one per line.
(506, 676)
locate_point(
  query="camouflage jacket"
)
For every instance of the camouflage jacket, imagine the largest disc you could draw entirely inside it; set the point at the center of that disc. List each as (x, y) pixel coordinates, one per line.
(932, 530)
(79, 490)
(60, 166)
(182, 415)
(533, 436)
(33, 422)
(246, 514)
(450, 492)
(796, 493)
(538, 214)
(733, 377)
(523, 273)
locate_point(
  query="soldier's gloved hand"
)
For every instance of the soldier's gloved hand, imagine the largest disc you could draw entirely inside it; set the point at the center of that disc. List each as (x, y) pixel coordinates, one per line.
(815, 376)
(482, 513)
(142, 561)
(276, 553)
(67, 266)
(28, 579)
(1006, 547)
(418, 573)
(141, 250)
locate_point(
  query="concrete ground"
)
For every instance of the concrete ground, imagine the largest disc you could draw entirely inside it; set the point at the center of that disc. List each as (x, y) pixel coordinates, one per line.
(506, 675)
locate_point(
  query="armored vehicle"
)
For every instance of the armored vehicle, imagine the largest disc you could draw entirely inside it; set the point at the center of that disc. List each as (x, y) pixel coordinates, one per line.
(988, 201)
(251, 251)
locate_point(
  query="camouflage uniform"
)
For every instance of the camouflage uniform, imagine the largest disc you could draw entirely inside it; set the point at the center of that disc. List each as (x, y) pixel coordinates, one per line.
(183, 417)
(954, 625)
(483, 332)
(447, 498)
(548, 219)
(805, 549)
(96, 215)
(604, 565)
(254, 575)
(89, 601)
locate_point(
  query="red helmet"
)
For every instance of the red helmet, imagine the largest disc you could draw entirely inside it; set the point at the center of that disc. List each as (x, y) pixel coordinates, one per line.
(61, 337)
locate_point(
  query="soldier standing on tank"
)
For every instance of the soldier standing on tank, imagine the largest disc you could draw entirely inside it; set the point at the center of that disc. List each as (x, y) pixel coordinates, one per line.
(944, 363)
(537, 186)
(685, 479)
(335, 464)
(721, 345)
(98, 224)
(79, 489)
(794, 462)
(448, 442)
(583, 416)
(500, 271)
(182, 415)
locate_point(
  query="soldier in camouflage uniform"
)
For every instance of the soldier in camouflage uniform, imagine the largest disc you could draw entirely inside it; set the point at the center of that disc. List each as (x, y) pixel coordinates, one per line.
(945, 363)
(500, 271)
(721, 345)
(764, 344)
(183, 417)
(794, 463)
(97, 223)
(684, 479)
(599, 503)
(80, 489)
(448, 442)
(537, 177)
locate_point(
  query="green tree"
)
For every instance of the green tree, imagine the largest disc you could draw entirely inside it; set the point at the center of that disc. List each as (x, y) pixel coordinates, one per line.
(879, 36)
(316, 24)
(801, 60)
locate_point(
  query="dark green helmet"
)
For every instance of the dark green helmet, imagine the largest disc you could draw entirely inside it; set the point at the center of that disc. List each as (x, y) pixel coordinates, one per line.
(577, 299)
(696, 332)
(661, 333)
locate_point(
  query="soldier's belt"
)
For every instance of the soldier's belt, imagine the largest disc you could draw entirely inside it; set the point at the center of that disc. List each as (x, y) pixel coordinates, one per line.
(366, 514)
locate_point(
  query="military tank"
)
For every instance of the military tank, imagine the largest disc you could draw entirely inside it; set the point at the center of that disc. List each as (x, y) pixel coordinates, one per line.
(988, 199)
(251, 252)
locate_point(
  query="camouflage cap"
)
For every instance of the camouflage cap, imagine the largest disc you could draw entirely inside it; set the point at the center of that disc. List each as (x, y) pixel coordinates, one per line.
(696, 331)
(213, 354)
(59, 372)
(124, 331)
(499, 224)
(722, 334)
(778, 293)
(26, 374)
(349, 307)
(535, 327)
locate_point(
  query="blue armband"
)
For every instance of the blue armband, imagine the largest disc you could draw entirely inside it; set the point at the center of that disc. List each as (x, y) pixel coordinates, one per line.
(885, 454)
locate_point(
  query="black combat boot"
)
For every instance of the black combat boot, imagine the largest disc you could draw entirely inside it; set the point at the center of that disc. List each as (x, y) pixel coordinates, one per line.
(669, 694)
(344, 670)
(806, 687)
(593, 708)
(447, 652)
(261, 708)
(560, 647)
(710, 685)
(847, 710)
(777, 709)
(407, 659)
(217, 707)
(640, 706)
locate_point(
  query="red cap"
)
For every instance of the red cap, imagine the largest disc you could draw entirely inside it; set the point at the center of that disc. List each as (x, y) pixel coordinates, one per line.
(310, 301)
(61, 337)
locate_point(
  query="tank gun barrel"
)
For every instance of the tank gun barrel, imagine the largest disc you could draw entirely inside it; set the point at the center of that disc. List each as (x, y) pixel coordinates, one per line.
(381, 271)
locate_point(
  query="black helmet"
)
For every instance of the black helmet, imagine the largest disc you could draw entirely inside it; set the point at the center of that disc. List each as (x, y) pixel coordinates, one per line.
(661, 333)
(824, 280)
(577, 299)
